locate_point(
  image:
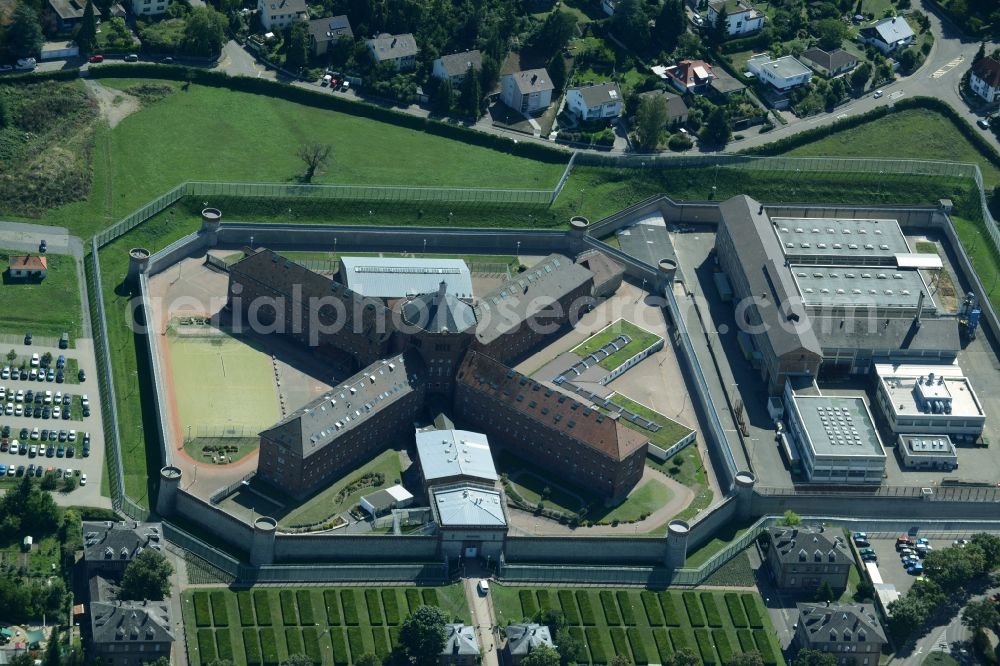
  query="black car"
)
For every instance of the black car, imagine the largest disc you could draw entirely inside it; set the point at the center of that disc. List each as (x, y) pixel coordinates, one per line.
(37, 413)
(39, 471)
(60, 377)
(53, 435)
(86, 412)
(44, 435)
(86, 450)
(46, 413)
(27, 338)
(6, 431)
(65, 414)
(24, 433)
(43, 246)
(29, 396)
(82, 375)
(51, 451)
(60, 452)
(20, 470)
(31, 469)
(66, 399)
(24, 375)
(70, 452)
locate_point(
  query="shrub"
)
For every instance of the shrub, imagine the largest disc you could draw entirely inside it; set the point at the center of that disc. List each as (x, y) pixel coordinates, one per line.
(340, 655)
(610, 609)
(639, 656)
(374, 607)
(679, 638)
(598, 648)
(587, 616)
(750, 605)
(332, 608)
(545, 602)
(528, 606)
(202, 614)
(412, 599)
(287, 600)
(652, 606)
(244, 600)
(349, 603)
(764, 646)
(695, 614)
(430, 596)
(220, 614)
(679, 142)
(293, 639)
(628, 609)
(252, 647)
(355, 641)
(736, 611)
(745, 637)
(671, 616)
(304, 600)
(618, 641)
(568, 605)
(268, 646)
(723, 645)
(394, 637)
(663, 649)
(705, 649)
(712, 613)
(310, 642)
(225, 644)
(390, 600)
(381, 642)
(206, 645)
(262, 604)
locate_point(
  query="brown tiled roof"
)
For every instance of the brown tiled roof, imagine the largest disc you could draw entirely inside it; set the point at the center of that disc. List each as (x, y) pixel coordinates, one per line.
(988, 69)
(28, 262)
(552, 409)
(689, 72)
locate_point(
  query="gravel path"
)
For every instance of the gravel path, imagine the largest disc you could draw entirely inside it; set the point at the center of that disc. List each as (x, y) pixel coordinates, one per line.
(115, 105)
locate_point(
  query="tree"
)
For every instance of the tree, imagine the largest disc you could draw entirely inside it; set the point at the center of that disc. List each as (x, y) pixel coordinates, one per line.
(980, 614)
(860, 76)
(147, 576)
(905, 616)
(571, 650)
(470, 94)
(980, 54)
(814, 658)
(543, 655)
(720, 30)
(791, 519)
(86, 35)
(954, 568)
(422, 636)
(751, 658)
(631, 24)
(650, 121)
(316, 156)
(989, 544)
(716, 129)
(12, 356)
(685, 657)
(104, 8)
(297, 660)
(47, 358)
(908, 60)
(825, 592)
(830, 33)
(554, 33)
(24, 34)
(52, 649)
(297, 51)
(557, 73)
(670, 24)
(444, 97)
(49, 482)
(620, 660)
(368, 659)
(205, 32)
(865, 591)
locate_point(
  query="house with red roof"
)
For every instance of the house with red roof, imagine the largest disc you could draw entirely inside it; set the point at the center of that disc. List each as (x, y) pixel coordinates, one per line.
(690, 76)
(27, 266)
(985, 79)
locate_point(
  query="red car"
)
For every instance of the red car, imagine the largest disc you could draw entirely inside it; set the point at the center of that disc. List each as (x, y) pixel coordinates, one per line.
(97, 57)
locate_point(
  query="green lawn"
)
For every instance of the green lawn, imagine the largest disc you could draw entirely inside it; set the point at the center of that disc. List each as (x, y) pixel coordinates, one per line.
(686, 468)
(940, 659)
(646, 626)
(330, 625)
(46, 308)
(670, 431)
(729, 533)
(639, 339)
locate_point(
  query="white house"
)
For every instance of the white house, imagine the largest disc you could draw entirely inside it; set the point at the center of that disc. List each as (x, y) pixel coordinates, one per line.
(889, 34)
(401, 50)
(603, 100)
(687, 76)
(279, 14)
(985, 79)
(528, 91)
(784, 73)
(456, 66)
(149, 7)
(741, 17)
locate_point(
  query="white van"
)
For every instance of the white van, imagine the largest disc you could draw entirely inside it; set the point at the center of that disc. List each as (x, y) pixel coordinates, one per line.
(483, 587)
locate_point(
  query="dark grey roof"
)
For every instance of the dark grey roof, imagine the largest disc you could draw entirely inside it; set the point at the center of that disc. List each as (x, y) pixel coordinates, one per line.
(809, 544)
(130, 622)
(460, 639)
(439, 312)
(118, 540)
(532, 80)
(457, 64)
(523, 638)
(348, 405)
(840, 623)
(888, 334)
(600, 93)
(676, 106)
(287, 6)
(830, 60)
(330, 29)
(762, 260)
(393, 47)
(724, 83)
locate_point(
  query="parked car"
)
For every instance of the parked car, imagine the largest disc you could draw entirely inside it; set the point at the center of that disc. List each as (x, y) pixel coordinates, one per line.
(82, 375)
(97, 57)
(960, 543)
(132, 57)
(867, 551)
(42, 247)
(878, 93)
(27, 340)
(983, 123)
(26, 64)
(64, 341)
(61, 362)
(915, 569)
(36, 360)
(869, 557)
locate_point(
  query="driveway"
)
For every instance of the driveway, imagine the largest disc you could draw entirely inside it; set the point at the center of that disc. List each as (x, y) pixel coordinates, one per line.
(484, 621)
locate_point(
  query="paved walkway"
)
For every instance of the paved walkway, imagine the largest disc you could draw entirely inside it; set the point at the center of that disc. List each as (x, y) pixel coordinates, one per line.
(484, 621)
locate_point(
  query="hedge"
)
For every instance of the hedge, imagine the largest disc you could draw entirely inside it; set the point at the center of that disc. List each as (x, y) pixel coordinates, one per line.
(568, 605)
(244, 600)
(412, 599)
(545, 602)
(374, 607)
(340, 655)
(225, 644)
(310, 642)
(639, 656)
(628, 611)
(723, 645)
(202, 613)
(430, 596)
(332, 608)
(577, 633)
(220, 614)
(381, 642)
(529, 609)
(251, 646)
(293, 639)
(705, 649)
(38, 77)
(263, 606)
(356, 642)
(679, 638)
(598, 648)
(619, 642)
(763, 642)
(287, 601)
(671, 616)
(745, 637)
(206, 645)
(750, 605)
(394, 636)
(349, 602)
(304, 600)
(736, 611)
(653, 612)
(695, 614)
(268, 646)
(391, 602)
(610, 609)
(712, 613)
(587, 615)
(663, 648)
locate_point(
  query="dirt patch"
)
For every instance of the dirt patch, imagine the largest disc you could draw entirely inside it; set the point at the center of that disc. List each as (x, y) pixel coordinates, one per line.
(115, 105)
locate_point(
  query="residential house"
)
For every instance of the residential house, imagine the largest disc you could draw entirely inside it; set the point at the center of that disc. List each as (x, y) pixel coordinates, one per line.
(741, 18)
(985, 79)
(888, 35)
(528, 91)
(803, 558)
(609, 6)
(783, 73)
(460, 646)
(400, 50)
(24, 267)
(595, 102)
(127, 633)
(724, 86)
(109, 546)
(279, 14)
(689, 76)
(677, 109)
(456, 66)
(66, 14)
(850, 632)
(829, 63)
(522, 639)
(326, 31)
(149, 7)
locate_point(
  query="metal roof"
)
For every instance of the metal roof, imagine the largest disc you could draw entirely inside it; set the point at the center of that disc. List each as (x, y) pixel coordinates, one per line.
(932, 446)
(897, 333)
(839, 426)
(468, 506)
(396, 277)
(860, 287)
(839, 239)
(891, 30)
(439, 312)
(450, 453)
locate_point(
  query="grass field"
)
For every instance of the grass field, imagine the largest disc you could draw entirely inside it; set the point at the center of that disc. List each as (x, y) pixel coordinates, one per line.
(686, 468)
(221, 382)
(46, 308)
(670, 432)
(332, 626)
(639, 339)
(646, 626)
(939, 659)
(722, 538)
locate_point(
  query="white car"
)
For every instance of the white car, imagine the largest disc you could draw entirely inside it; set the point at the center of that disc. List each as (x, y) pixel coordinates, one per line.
(878, 93)
(84, 401)
(57, 412)
(83, 479)
(14, 447)
(35, 360)
(18, 410)
(35, 434)
(9, 410)
(72, 435)
(19, 396)
(69, 473)
(5, 373)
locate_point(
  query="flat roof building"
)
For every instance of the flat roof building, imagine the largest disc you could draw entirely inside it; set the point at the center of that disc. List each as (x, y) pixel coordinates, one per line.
(927, 452)
(929, 399)
(447, 456)
(886, 292)
(396, 277)
(471, 519)
(385, 500)
(840, 241)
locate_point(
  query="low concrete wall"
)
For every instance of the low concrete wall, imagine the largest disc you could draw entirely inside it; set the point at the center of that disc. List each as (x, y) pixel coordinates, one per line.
(347, 548)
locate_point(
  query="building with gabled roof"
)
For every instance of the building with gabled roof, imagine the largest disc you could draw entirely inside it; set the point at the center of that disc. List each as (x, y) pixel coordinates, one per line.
(461, 647)
(528, 92)
(595, 101)
(803, 558)
(523, 638)
(130, 632)
(689, 76)
(396, 277)
(448, 456)
(829, 63)
(279, 14)
(741, 17)
(850, 632)
(888, 35)
(326, 31)
(27, 267)
(984, 79)
(471, 519)
(401, 50)
(455, 66)
(109, 546)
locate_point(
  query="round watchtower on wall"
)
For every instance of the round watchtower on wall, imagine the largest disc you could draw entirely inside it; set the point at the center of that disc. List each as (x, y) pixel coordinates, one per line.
(578, 228)
(677, 543)
(744, 493)
(211, 219)
(667, 270)
(166, 499)
(265, 529)
(138, 262)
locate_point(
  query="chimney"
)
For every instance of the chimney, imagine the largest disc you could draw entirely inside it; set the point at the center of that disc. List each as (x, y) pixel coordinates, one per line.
(920, 308)
(534, 77)
(393, 45)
